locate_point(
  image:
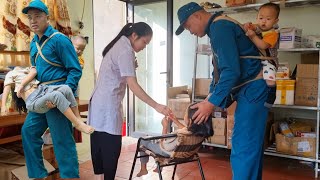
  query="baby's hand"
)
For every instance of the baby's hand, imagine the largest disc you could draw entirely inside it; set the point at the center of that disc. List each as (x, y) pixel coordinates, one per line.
(250, 33)
(165, 122)
(19, 91)
(50, 104)
(246, 26)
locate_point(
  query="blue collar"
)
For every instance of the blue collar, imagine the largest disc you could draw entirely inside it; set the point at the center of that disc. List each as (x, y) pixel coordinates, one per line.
(47, 33)
(207, 29)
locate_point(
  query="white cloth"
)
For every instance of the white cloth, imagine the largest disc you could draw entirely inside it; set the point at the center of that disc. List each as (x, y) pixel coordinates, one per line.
(17, 75)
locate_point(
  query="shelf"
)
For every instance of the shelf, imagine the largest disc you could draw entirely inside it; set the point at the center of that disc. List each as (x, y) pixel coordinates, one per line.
(300, 50)
(15, 52)
(255, 7)
(272, 152)
(215, 145)
(295, 107)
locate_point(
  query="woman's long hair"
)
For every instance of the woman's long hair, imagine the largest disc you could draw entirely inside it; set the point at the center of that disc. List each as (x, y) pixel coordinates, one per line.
(140, 28)
(19, 103)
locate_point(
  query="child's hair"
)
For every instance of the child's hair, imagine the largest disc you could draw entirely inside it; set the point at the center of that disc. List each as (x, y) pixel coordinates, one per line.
(276, 7)
(19, 103)
(204, 129)
(85, 38)
(140, 28)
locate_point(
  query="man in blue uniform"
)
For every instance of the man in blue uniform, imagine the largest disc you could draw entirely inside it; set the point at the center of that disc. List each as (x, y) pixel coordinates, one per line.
(56, 62)
(228, 43)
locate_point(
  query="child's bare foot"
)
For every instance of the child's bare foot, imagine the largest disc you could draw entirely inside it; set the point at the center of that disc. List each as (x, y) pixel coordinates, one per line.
(142, 172)
(81, 126)
(156, 170)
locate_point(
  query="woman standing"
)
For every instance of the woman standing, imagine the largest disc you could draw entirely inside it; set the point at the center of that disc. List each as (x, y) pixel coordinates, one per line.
(105, 112)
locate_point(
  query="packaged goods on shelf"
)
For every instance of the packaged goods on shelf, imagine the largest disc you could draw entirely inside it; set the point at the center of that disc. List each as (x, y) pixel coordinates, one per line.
(218, 139)
(202, 87)
(307, 85)
(290, 38)
(178, 100)
(299, 146)
(230, 3)
(219, 126)
(283, 71)
(204, 49)
(311, 41)
(285, 92)
(285, 130)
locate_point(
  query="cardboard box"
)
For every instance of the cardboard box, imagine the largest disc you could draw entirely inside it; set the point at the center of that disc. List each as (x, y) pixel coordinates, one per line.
(283, 71)
(285, 92)
(310, 58)
(290, 38)
(178, 100)
(216, 139)
(306, 92)
(202, 87)
(307, 70)
(298, 146)
(219, 126)
(300, 126)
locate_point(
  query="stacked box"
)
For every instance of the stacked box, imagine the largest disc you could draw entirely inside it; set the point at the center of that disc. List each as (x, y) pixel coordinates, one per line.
(202, 87)
(178, 100)
(307, 85)
(290, 38)
(219, 129)
(299, 146)
(285, 92)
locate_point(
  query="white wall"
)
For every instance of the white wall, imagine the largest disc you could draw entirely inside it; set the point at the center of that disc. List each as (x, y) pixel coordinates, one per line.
(109, 18)
(75, 8)
(102, 20)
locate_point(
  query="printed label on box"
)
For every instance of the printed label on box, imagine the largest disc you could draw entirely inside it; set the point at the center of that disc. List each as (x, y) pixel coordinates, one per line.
(217, 114)
(304, 146)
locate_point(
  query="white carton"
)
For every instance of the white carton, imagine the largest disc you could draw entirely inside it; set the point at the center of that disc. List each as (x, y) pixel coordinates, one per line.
(311, 41)
(290, 38)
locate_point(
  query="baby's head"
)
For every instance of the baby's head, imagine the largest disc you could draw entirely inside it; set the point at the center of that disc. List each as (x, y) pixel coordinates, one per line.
(79, 43)
(204, 129)
(268, 16)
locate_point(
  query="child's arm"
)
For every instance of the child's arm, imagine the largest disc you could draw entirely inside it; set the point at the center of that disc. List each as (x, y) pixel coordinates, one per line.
(31, 75)
(257, 41)
(176, 121)
(5, 94)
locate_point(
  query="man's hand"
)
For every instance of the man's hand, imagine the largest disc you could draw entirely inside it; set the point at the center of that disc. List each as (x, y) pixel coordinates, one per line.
(205, 108)
(50, 105)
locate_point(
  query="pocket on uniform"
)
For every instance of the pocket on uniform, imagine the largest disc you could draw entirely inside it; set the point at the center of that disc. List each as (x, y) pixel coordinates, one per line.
(256, 91)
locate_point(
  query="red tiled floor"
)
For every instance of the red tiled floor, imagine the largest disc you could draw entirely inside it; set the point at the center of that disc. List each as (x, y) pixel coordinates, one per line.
(215, 163)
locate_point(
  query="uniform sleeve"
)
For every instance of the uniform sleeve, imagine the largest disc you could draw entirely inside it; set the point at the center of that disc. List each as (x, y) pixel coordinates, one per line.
(8, 79)
(126, 64)
(271, 38)
(224, 38)
(69, 58)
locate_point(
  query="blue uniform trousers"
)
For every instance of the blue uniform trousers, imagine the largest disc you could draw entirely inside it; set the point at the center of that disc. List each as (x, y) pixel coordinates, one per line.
(249, 130)
(63, 143)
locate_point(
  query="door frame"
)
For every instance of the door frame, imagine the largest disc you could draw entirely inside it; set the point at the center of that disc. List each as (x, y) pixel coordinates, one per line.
(130, 110)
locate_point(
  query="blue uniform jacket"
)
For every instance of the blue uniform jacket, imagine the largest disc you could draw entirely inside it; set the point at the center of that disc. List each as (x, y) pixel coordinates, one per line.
(60, 50)
(228, 43)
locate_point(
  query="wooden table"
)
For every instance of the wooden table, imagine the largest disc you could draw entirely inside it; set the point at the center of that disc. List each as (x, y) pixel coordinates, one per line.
(14, 118)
